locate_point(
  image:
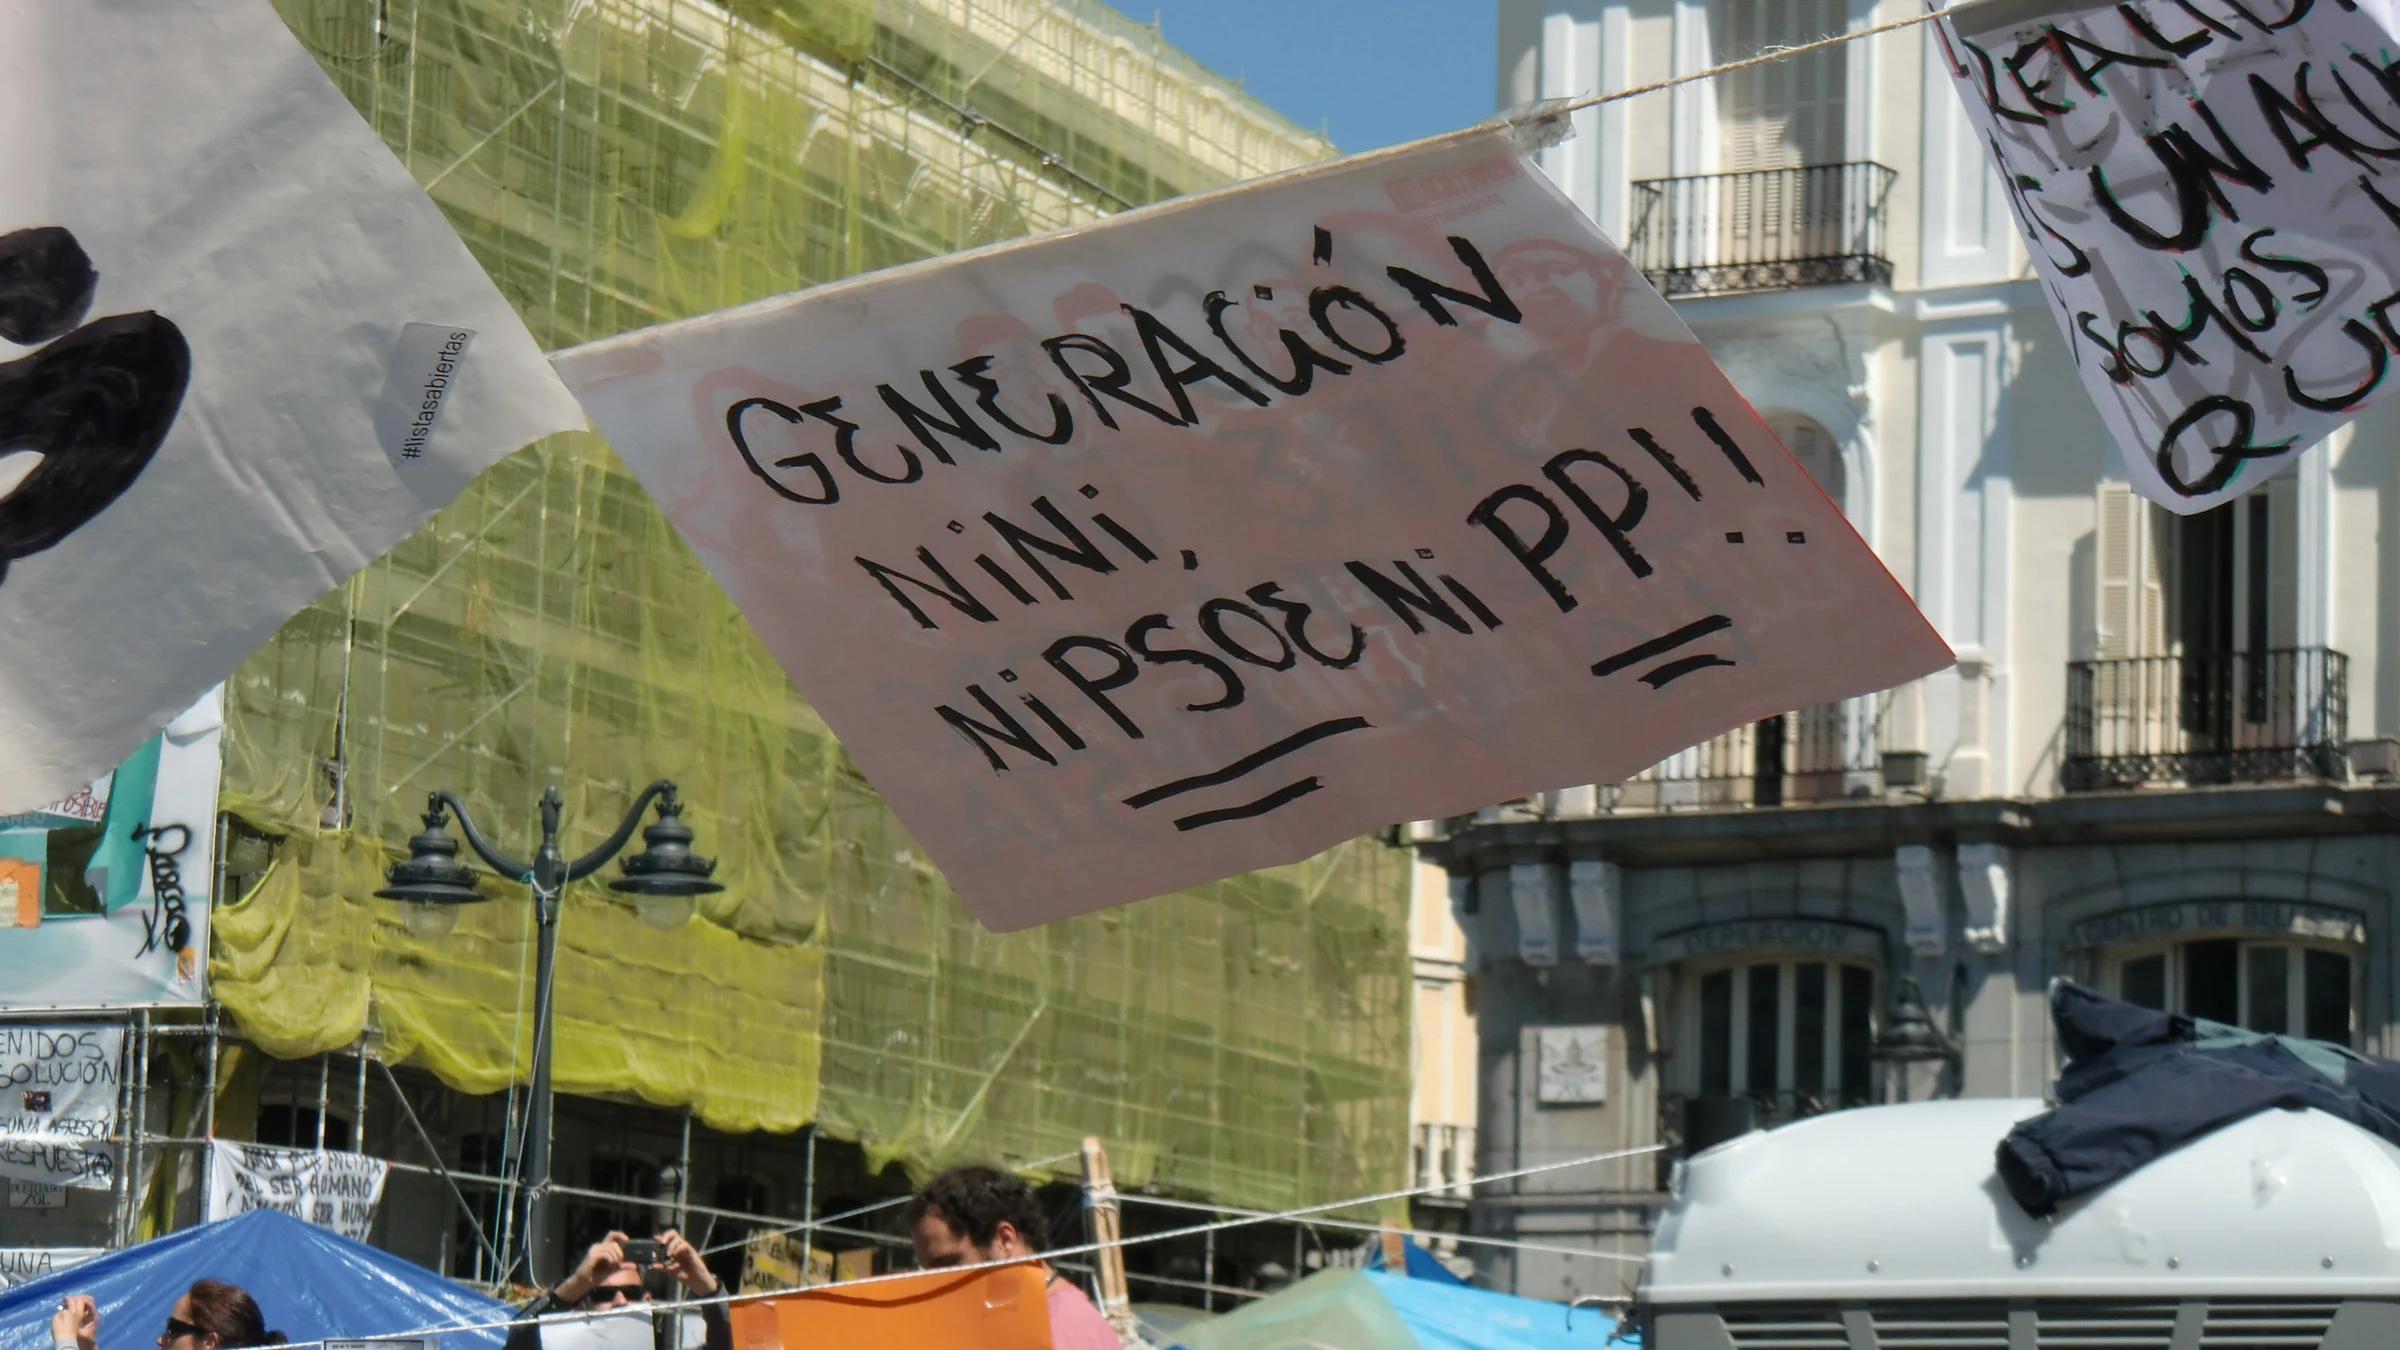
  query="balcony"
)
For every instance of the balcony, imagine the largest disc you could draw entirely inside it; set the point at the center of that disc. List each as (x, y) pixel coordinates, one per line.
(1820, 754)
(2223, 717)
(1767, 229)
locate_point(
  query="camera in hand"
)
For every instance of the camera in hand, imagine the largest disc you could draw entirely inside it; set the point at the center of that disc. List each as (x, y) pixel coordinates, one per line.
(644, 1253)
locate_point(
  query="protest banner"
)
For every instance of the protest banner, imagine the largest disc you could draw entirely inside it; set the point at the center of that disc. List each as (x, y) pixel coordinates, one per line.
(339, 1191)
(1193, 541)
(22, 1265)
(104, 896)
(58, 1103)
(2207, 188)
(248, 356)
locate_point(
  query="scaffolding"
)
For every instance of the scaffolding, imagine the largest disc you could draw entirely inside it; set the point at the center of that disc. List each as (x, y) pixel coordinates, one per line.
(184, 1078)
(614, 163)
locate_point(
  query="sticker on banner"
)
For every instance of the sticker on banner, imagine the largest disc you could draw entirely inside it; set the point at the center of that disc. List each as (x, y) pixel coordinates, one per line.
(424, 370)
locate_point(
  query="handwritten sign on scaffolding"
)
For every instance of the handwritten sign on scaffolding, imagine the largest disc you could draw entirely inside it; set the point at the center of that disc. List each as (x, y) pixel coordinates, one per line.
(1140, 554)
(339, 1191)
(2211, 193)
(59, 1088)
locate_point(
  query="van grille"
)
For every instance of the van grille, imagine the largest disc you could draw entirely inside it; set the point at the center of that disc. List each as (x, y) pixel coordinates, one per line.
(2229, 1324)
(2106, 1326)
(1805, 1328)
(2265, 1325)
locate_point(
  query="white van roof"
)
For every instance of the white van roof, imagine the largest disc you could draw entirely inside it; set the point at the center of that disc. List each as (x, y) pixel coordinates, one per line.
(1894, 1202)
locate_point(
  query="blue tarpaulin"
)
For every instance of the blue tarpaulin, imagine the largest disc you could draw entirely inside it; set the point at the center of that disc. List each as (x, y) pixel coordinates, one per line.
(1454, 1316)
(1419, 1264)
(309, 1283)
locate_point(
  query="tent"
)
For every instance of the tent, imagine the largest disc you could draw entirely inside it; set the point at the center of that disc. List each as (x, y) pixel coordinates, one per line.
(310, 1284)
(1372, 1310)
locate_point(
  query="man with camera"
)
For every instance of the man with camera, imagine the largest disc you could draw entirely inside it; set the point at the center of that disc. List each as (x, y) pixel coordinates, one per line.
(611, 1278)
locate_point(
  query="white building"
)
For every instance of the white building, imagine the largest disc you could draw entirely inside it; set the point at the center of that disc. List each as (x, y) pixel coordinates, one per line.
(2163, 762)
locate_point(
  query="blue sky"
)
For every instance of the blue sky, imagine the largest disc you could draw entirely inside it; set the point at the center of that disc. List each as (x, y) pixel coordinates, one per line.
(1369, 73)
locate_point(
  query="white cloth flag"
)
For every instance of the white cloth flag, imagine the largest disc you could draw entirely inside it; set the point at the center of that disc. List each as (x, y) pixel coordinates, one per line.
(1197, 540)
(2211, 192)
(340, 1191)
(241, 355)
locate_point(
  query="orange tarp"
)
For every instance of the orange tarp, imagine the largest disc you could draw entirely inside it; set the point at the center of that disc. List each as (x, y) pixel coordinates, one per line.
(1004, 1309)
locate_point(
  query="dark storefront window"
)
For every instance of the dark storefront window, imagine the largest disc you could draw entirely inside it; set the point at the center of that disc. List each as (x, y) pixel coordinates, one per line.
(1794, 1035)
(2284, 988)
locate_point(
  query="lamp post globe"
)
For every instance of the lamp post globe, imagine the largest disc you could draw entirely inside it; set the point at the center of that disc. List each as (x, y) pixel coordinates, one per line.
(666, 879)
(432, 883)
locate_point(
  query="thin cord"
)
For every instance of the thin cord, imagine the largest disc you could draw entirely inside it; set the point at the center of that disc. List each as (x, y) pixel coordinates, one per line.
(1778, 54)
(1507, 1244)
(1196, 1230)
(1035, 1165)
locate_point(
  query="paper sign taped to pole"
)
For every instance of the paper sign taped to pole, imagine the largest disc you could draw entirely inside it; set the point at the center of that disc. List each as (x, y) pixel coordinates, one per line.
(213, 279)
(1194, 541)
(2210, 190)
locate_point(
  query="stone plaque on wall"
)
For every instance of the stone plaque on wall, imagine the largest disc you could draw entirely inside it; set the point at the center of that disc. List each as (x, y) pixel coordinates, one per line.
(2281, 918)
(1825, 935)
(1573, 1067)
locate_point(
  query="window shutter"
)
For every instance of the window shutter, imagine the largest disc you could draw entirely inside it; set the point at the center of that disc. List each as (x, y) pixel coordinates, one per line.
(2283, 561)
(2119, 528)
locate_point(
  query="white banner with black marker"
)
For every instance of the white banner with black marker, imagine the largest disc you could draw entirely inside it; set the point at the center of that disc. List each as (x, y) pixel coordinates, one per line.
(2211, 193)
(59, 1091)
(339, 1191)
(23, 1265)
(1200, 539)
(242, 354)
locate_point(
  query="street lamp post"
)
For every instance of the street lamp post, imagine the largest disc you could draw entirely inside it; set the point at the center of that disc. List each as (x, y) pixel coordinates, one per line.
(665, 878)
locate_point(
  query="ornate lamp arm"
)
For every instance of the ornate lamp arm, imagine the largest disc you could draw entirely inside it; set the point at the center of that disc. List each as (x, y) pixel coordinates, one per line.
(609, 848)
(500, 862)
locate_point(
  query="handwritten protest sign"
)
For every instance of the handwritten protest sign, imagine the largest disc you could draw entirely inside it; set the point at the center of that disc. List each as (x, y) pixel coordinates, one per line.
(22, 1265)
(2211, 192)
(242, 355)
(339, 1191)
(58, 1103)
(1144, 553)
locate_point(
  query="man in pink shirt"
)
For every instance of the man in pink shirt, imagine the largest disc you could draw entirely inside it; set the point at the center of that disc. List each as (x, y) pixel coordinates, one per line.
(969, 1215)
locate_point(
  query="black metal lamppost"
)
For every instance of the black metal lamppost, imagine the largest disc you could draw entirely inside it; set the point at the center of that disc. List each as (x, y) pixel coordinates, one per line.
(665, 879)
(1910, 1044)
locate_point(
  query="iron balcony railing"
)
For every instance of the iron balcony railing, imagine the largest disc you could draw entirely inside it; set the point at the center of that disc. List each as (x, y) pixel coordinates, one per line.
(1763, 230)
(2221, 717)
(1824, 753)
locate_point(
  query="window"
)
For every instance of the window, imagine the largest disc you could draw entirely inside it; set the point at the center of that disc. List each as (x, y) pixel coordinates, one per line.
(1796, 1033)
(2282, 987)
(1783, 114)
(294, 1126)
(64, 892)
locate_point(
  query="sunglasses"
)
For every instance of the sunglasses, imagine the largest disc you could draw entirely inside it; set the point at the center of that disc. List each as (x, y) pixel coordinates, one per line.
(177, 1327)
(610, 1295)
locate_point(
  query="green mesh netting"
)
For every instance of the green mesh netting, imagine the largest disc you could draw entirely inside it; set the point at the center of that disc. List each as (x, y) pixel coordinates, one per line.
(614, 163)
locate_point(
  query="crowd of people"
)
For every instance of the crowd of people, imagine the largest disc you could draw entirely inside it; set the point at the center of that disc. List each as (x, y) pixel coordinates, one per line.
(211, 1315)
(965, 1216)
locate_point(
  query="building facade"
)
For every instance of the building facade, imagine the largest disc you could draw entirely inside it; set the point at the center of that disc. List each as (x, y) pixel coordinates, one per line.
(2163, 763)
(834, 1022)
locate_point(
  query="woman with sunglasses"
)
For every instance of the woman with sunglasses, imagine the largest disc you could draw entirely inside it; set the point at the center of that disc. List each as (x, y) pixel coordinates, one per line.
(211, 1315)
(610, 1278)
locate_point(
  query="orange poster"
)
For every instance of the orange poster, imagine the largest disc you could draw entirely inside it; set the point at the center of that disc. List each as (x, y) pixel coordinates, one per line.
(979, 1310)
(21, 892)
